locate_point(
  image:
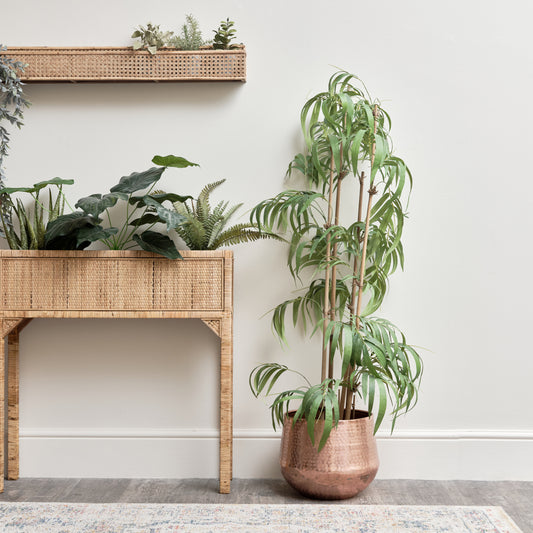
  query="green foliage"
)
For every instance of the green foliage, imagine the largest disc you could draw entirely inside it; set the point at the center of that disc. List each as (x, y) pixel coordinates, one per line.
(31, 221)
(190, 37)
(347, 137)
(224, 35)
(77, 230)
(151, 38)
(12, 104)
(205, 228)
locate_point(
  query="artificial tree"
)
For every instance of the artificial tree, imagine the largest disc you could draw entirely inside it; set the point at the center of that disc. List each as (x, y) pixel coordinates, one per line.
(347, 266)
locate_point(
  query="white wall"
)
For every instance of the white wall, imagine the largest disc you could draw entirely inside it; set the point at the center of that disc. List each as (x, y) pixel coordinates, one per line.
(120, 398)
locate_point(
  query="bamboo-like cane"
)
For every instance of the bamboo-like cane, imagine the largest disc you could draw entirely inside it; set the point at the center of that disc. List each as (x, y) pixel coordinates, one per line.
(349, 370)
(371, 192)
(326, 281)
(333, 298)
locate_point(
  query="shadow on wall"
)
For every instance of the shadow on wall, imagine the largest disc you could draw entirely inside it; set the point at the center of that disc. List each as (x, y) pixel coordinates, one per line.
(124, 95)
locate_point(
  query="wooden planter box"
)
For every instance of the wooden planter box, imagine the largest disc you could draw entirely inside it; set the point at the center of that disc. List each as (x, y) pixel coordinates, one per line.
(62, 64)
(115, 284)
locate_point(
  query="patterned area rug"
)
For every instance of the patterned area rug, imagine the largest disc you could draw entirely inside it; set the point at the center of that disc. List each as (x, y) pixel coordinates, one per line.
(151, 518)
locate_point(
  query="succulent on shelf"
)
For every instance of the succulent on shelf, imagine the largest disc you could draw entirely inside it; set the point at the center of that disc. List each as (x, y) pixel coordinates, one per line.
(224, 35)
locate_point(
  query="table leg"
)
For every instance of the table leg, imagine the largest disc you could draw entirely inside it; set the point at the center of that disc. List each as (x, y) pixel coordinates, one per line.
(226, 404)
(2, 411)
(13, 405)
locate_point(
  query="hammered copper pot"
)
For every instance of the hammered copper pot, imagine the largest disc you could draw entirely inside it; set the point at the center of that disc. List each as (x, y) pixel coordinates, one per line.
(344, 467)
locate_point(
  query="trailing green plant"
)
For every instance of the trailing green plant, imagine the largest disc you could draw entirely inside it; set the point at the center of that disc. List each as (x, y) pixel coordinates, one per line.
(224, 35)
(12, 105)
(347, 137)
(190, 37)
(143, 210)
(32, 221)
(205, 228)
(151, 38)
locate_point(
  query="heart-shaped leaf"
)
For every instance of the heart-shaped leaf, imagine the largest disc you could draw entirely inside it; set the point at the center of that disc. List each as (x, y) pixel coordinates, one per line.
(170, 217)
(172, 161)
(162, 197)
(95, 233)
(12, 190)
(62, 233)
(147, 218)
(152, 241)
(138, 180)
(96, 203)
(53, 181)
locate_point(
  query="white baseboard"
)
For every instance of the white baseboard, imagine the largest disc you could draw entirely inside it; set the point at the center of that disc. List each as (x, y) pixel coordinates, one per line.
(184, 453)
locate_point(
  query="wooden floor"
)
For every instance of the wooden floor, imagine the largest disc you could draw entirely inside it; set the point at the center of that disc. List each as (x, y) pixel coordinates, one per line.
(514, 496)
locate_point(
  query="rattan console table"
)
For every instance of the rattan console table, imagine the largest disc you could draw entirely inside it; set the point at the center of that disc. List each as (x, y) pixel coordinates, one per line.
(114, 284)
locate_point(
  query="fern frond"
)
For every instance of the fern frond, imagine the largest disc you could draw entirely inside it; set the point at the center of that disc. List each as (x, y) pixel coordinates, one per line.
(218, 212)
(243, 233)
(197, 234)
(232, 210)
(182, 208)
(203, 208)
(185, 236)
(215, 232)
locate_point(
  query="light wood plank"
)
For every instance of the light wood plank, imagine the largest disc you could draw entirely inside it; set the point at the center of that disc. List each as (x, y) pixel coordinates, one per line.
(2, 405)
(13, 404)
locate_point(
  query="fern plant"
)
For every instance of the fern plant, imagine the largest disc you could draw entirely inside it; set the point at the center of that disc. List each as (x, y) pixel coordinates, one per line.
(205, 228)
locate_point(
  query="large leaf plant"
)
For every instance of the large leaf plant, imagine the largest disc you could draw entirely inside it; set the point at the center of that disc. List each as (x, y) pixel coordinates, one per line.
(143, 210)
(342, 265)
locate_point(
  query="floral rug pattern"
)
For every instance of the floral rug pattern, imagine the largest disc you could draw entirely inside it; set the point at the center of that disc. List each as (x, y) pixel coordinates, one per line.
(222, 518)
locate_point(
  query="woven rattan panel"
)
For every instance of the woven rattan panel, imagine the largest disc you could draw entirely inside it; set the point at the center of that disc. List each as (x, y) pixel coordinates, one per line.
(123, 64)
(99, 284)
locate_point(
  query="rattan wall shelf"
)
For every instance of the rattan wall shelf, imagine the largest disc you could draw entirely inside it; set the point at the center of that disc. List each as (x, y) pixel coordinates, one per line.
(114, 284)
(97, 64)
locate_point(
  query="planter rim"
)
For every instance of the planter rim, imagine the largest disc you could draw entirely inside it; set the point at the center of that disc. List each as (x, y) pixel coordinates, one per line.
(124, 49)
(112, 254)
(365, 416)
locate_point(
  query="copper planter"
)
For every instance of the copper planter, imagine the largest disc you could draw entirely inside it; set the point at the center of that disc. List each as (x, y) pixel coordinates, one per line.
(345, 466)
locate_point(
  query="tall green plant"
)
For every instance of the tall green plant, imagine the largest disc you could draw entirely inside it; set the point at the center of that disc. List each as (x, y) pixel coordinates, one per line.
(347, 139)
(12, 104)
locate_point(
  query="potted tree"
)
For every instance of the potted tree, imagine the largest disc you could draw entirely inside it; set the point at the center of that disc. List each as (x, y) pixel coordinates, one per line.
(344, 230)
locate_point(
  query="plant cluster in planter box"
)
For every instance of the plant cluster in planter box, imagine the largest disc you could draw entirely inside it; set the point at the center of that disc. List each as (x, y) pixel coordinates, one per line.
(43, 225)
(155, 55)
(328, 449)
(152, 38)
